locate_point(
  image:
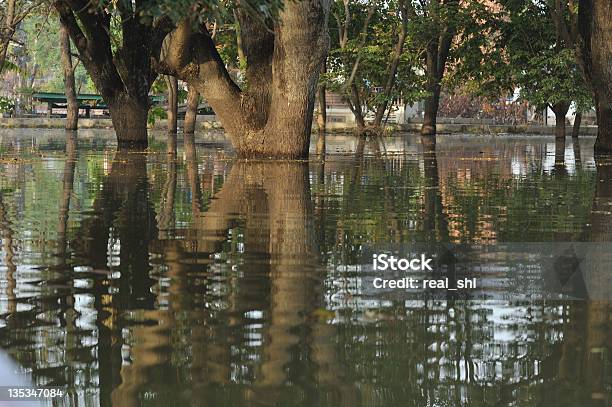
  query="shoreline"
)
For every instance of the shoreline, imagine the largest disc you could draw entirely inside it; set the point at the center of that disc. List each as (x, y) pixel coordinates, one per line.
(210, 123)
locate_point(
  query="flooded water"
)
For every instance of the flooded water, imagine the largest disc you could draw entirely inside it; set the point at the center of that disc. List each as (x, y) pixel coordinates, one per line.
(145, 279)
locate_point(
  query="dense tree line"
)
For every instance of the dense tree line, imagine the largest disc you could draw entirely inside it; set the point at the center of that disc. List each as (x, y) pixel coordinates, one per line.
(258, 63)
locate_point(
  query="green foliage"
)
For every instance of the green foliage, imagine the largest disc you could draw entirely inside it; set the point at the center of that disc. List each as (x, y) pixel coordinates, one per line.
(521, 49)
(6, 105)
(552, 76)
(371, 50)
(38, 62)
(156, 113)
(8, 66)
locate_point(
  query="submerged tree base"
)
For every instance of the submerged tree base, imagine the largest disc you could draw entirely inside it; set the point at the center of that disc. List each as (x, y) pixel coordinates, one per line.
(132, 145)
(370, 131)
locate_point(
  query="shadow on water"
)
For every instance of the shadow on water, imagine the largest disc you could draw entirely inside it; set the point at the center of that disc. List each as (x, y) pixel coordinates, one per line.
(168, 279)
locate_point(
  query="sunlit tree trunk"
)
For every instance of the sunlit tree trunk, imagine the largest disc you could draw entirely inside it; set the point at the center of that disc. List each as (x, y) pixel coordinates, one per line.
(321, 117)
(172, 85)
(72, 105)
(191, 115)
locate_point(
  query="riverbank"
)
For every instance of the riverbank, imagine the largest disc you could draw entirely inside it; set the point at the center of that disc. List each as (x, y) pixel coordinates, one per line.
(207, 122)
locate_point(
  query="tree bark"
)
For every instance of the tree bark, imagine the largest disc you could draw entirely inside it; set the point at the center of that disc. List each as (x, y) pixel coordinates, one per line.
(72, 104)
(6, 31)
(191, 115)
(430, 113)
(172, 84)
(595, 28)
(576, 127)
(272, 117)
(129, 117)
(321, 117)
(322, 111)
(560, 110)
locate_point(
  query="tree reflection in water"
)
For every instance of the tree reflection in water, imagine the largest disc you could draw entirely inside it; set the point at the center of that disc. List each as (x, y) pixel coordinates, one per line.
(192, 277)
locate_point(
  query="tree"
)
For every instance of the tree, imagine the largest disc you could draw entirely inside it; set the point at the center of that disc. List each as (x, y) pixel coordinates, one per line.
(72, 104)
(271, 115)
(172, 86)
(321, 114)
(116, 44)
(595, 30)
(437, 28)
(542, 59)
(367, 60)
(12, 13)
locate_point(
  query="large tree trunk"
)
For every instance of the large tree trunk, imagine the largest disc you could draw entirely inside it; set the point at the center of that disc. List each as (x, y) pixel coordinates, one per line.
(191, 115)
(129, 116)
(595, 27)
(72, 104)
(273, 117)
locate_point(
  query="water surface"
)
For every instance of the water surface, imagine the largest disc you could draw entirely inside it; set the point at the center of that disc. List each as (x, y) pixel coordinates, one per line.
(146, 279)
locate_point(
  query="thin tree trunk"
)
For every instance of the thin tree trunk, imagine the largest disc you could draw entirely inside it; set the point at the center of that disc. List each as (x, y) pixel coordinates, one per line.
(191, 115)
(356, 109)
(392, 68)
(322, 112)
(72, 104)
(576, 149)
(7, 31)
(576, 128)
(172, 85)
(322, 117)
